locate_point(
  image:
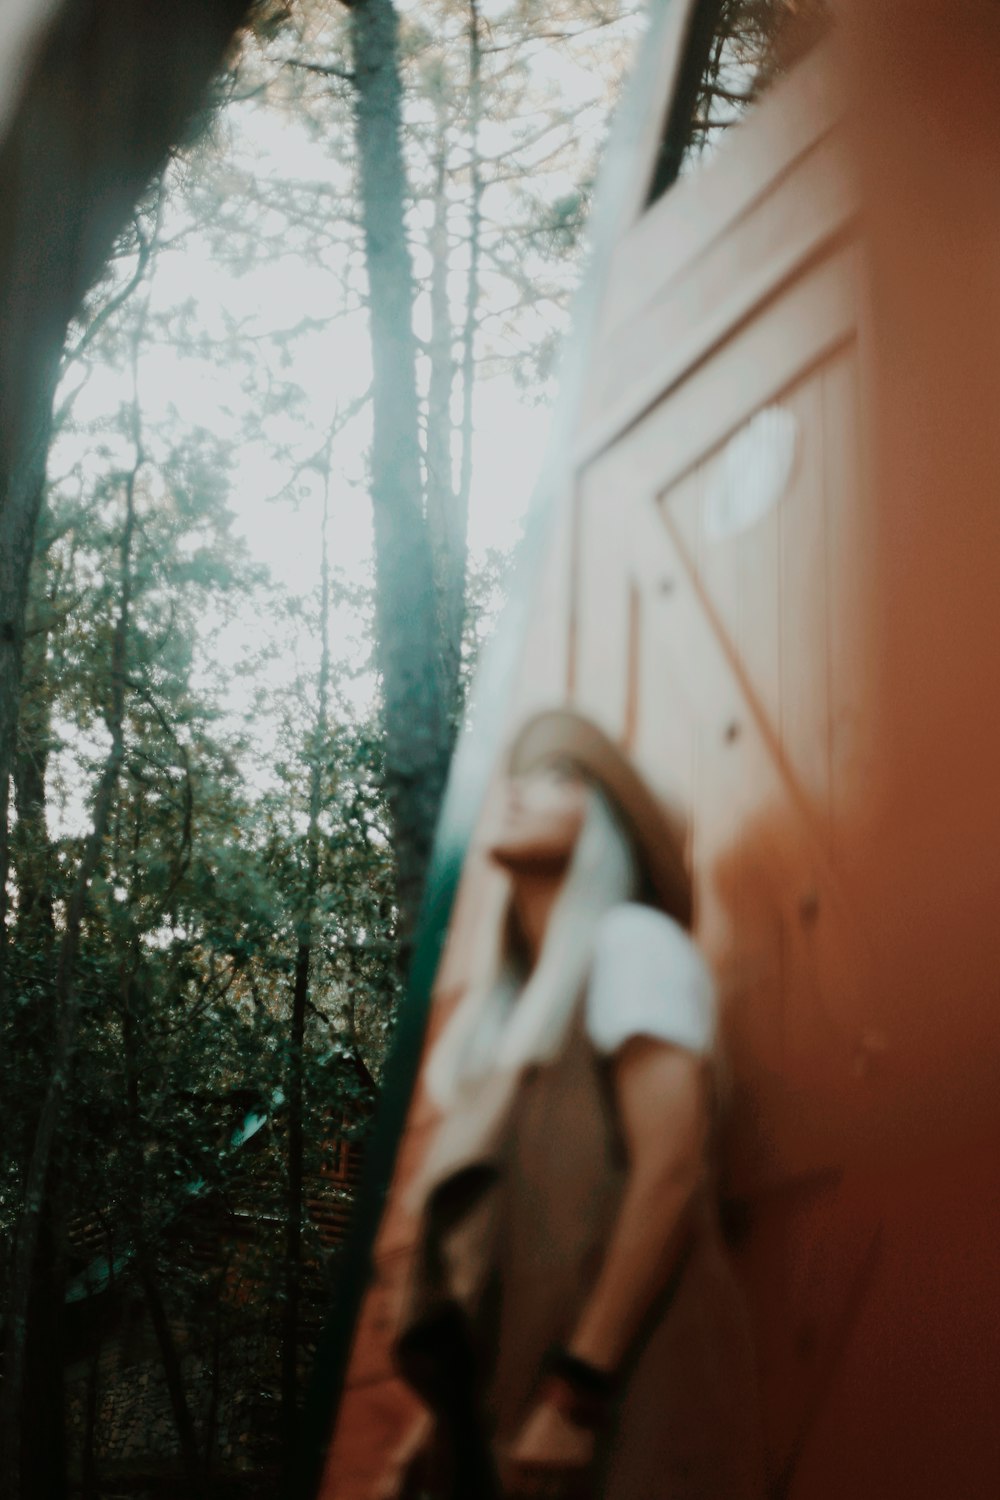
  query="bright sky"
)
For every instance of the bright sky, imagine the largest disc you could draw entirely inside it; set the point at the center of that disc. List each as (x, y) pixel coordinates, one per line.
(331, 365)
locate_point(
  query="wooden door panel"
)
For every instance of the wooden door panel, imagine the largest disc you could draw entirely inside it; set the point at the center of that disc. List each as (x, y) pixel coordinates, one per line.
(745, 687)
(810, 1258)
(720, 246)
(805, 704)
(707, 204)
(760, 359)
(737, 293)
(600, 674)
(741, 684)
(770, 909)
(850, 513)
(766, 587)
(735, 275)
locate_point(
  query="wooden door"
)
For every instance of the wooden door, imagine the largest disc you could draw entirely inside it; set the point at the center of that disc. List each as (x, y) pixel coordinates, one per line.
(723, 636)
(716, 596)
(742, 599)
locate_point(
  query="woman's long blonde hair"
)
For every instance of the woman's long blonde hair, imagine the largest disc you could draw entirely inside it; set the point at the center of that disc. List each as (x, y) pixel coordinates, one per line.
(513, 1018)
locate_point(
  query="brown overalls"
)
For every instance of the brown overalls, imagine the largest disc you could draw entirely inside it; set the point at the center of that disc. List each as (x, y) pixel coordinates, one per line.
(528, 1181)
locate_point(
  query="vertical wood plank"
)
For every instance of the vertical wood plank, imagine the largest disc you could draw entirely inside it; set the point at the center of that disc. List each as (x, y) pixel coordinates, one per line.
(759, 628)
(804, 622)
(848, 558)
(603, 603)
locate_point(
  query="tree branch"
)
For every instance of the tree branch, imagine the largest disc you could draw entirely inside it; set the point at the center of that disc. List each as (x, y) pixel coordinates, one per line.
(325, 70)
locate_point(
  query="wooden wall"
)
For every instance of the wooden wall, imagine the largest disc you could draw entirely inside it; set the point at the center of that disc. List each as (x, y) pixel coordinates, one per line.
(717, 593)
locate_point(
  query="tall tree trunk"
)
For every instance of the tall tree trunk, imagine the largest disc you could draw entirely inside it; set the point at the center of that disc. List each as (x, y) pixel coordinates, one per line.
(145, 1258)
(44, 1454)
(294, 1205)
(34, 858)
(446, 543)
(296, 1042)
(173, 1374)
(89, 1478)
(20, 503)
(211, 1427)
(472, 294)
(44, 1448)
(67, 1005)
(408, 638)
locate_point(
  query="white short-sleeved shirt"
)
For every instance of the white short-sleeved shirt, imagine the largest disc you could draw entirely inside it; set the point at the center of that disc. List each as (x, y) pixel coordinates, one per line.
(648, 979)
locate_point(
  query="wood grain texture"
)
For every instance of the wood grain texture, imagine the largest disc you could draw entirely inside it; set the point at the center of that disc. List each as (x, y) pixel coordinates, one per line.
(704, 206)
(719, 246)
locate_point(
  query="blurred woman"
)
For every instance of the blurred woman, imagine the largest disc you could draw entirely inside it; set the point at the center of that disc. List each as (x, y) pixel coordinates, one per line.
(572, 1324)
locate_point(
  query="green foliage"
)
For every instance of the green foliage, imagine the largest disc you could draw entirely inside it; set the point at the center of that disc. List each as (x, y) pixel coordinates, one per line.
(193, 921)
(250, 814)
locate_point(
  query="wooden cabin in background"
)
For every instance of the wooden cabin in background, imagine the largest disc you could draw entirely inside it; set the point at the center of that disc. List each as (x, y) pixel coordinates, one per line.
(772, 574)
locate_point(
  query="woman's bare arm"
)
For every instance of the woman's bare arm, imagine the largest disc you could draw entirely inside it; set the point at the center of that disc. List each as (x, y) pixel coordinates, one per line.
(661, 1091)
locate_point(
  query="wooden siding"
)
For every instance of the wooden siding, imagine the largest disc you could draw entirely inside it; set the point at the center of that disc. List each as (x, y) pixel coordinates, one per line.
(748, 670)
